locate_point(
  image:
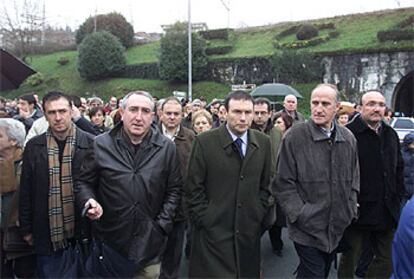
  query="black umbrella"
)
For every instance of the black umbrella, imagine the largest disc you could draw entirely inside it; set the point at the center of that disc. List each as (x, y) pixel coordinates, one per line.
(273, 90)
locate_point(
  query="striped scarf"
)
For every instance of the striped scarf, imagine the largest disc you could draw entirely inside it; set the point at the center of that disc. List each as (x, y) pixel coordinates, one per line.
(61, 200)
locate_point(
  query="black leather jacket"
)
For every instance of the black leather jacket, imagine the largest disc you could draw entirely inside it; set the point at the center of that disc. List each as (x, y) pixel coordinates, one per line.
(139, 194)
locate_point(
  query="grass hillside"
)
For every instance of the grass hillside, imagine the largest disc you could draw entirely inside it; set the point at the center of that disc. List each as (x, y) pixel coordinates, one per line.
(357, 33)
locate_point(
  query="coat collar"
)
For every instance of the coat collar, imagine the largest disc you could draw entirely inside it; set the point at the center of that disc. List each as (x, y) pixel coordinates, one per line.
(318, 135)
(226, 139)
(156, 137)
(359, 125)
(81, 141)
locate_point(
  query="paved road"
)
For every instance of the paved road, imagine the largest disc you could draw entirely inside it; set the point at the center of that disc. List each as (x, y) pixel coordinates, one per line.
(273, 266)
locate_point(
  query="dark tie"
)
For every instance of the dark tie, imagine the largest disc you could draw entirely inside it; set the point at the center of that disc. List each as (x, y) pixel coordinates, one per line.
(239, 143)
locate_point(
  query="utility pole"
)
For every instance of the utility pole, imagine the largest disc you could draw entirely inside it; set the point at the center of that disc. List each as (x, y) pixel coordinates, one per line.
(42, 39)
(190, 93)
(94, 19)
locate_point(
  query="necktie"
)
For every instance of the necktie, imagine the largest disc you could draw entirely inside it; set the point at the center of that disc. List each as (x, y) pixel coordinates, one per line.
(239, 143)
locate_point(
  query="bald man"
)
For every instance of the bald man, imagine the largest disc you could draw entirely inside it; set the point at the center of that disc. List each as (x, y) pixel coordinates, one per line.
(290, 105)
(317, 183)
(381, 188)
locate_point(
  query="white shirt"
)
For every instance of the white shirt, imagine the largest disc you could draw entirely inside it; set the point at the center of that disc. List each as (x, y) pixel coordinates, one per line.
(243, 138)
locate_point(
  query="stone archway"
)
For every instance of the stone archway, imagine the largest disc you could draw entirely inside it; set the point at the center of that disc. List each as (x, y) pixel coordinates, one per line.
(404, 95)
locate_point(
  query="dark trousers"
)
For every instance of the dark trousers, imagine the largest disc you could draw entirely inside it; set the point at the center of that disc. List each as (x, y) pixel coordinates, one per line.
(381, 241)
(275, 235)
(46, 265)
(22, 267)
(313, 263)
(170, 264)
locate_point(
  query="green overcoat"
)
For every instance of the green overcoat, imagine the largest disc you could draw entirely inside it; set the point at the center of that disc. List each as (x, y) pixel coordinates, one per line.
(227, 198)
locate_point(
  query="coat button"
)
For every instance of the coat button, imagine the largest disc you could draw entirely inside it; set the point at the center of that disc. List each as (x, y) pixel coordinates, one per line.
(237, 232)
(239, 205)
(241, 177)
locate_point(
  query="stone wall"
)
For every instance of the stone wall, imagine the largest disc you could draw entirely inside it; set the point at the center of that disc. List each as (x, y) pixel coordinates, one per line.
(252, 70)
(355, 73)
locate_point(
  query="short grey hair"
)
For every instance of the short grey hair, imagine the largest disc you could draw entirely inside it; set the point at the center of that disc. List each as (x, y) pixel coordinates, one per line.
(331, 86)
(15, 130)
(140, 93)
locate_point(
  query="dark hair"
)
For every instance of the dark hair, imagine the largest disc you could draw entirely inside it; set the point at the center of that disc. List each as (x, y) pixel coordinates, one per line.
(29, 98)
(262, 100)
(95, 110)
(237, 95)
(76, 101)
(286, 118)
(53, 96)
(171, 99)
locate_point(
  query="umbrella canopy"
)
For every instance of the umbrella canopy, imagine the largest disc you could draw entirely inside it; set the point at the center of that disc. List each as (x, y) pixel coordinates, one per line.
(273, 90)
(13, 71)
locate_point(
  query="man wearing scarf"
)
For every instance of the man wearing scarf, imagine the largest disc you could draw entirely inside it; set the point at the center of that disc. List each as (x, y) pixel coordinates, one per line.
(48, 218)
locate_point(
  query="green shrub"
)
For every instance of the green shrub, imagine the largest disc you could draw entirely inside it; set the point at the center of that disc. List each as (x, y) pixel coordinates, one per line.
(216, 34)
(219, 50)
(34, 80)
(174, 55)
(395, 35)
(408, 22)
(292, 66)
(141, 71)
(114, 23)
(290, 31)
(307, 32)
(325, 25)
(63, 61)
(100, 55)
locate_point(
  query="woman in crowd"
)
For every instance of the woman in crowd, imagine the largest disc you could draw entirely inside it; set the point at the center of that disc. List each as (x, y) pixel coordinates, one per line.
(202, 121)
(283, 122)
(17, 258)
(97, 116)
(342, 118)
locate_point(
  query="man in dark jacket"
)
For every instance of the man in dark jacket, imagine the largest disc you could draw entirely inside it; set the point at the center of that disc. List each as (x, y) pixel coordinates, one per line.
(171, 115)
(28, 111)
(382, 188)
(290, 104)
(317, 183)
(131, 182)
(51, 164)
(227, 194)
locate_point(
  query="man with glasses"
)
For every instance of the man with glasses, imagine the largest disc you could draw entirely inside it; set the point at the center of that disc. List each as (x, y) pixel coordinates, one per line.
(381, 188)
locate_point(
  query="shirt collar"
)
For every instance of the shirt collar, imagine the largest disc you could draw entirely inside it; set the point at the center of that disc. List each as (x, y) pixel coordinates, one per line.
(168, 135)
(234, 137)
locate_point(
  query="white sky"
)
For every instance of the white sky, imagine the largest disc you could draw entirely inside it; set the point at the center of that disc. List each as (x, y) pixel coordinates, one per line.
(148, 15)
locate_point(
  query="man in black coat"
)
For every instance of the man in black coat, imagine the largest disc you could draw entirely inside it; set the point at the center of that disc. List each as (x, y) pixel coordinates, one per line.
(51, 163)
(171, 127)
(131, 182)
(381, 188)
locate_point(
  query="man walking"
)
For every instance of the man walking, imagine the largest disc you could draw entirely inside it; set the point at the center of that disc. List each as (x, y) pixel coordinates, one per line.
(290, 105)
(183, 138)
(51, 164)
(382, 188)
(317, 183)
(227, 194)
(131, 182)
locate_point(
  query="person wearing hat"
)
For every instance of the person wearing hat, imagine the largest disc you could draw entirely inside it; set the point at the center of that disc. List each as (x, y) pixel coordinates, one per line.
(196, 105)
(28, 111)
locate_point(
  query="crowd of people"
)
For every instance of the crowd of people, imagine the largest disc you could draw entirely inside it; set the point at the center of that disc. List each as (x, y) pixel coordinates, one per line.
(153, 178)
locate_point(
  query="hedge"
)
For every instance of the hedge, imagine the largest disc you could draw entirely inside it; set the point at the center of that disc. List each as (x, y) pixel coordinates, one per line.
(395, 35)
(216, 34)
(141, 71)
(409, 21)
(306, 43)
(290, 31)
(219, 50)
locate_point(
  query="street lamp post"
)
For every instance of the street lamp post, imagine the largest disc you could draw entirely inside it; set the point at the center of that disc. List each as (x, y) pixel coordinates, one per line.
(190, 94)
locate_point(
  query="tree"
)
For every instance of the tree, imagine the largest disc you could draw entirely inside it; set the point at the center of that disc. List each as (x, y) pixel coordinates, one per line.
(20, 24)
(114, 23)
(296, 66)
(173, 56)
(100, 55)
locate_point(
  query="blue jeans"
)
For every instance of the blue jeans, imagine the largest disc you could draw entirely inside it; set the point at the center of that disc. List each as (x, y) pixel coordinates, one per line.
(46, 265)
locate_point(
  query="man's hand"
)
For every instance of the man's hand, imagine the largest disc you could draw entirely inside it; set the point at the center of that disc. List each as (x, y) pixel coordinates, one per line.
(76, 114)
(95, 210)
(29, 239)
(24, 113)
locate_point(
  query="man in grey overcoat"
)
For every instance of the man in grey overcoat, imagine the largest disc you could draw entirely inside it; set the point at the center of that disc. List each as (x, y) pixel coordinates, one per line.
(227, 194)
(317, 183)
